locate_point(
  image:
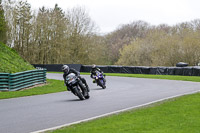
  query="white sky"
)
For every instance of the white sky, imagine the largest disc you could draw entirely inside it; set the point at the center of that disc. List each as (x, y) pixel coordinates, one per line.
(109, 14)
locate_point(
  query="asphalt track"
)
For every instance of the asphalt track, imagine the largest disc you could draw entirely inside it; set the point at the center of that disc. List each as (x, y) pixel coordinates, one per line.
(51, 111)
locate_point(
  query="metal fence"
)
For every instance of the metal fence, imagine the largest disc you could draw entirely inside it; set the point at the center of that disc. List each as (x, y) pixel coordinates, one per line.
(21, 80)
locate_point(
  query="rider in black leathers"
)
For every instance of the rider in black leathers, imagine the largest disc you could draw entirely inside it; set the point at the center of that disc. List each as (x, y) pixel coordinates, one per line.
(67, 71)
(93, 72)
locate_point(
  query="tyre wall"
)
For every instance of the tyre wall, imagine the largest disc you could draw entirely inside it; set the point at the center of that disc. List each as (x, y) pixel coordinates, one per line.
(185, 71)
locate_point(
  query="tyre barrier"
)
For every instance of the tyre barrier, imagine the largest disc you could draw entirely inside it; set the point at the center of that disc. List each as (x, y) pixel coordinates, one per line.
(185, 71)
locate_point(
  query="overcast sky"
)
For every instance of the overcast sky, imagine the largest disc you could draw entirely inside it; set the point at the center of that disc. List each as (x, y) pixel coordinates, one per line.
(109, 14)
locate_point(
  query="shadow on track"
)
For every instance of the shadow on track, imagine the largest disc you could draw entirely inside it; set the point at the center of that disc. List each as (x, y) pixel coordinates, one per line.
(97, 89)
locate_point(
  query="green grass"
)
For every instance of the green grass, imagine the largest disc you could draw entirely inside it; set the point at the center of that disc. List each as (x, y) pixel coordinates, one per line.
(52, 86)
(178, 115)
(11, 62)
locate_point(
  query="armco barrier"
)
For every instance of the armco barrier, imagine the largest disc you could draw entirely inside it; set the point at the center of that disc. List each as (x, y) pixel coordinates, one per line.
(21, 80)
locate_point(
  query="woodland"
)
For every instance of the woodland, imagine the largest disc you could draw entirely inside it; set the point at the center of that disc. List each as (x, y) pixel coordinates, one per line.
(57, 36)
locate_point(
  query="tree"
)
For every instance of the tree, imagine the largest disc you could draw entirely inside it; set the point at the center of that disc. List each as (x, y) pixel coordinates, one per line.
(164, 46)
(124, 35)
(41, 37)
(22, 28)
(81, 29)
(59, 32)
(3, 25)
(50, 35)
(98, 51)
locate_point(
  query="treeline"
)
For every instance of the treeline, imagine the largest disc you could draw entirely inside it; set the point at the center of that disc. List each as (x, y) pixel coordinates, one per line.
(54, 36)
(51, 36)
(164, 46)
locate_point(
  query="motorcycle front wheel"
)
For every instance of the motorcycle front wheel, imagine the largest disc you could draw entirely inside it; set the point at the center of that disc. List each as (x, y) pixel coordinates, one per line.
(79, 94)
(101, 84)
(87, 95)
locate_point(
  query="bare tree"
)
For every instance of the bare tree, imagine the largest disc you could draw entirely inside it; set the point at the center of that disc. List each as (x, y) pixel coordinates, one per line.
(80, 28)
(124, 35)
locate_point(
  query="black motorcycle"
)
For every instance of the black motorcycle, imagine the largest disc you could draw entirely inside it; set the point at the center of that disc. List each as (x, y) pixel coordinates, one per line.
(77, 87)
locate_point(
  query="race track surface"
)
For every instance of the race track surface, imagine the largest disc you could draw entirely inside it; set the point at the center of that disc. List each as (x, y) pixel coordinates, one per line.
(36, 113)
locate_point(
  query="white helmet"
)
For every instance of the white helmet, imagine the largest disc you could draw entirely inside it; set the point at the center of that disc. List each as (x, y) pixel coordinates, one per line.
(93, 66)
(65, 68)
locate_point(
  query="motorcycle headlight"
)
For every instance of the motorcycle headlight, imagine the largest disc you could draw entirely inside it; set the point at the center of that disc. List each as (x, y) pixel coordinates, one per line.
(70, 80)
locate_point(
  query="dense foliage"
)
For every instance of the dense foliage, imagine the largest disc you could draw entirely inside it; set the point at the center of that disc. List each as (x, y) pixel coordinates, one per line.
(164, 48)
(3, 26)
(54, 36)
(11, 62)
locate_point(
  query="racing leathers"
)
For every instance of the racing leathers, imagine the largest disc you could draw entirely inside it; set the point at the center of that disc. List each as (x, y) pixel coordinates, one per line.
(93, 73)
(71, 70)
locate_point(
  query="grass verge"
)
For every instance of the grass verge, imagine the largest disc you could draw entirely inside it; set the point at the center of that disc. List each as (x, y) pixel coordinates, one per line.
(52, 86)
(178, 115)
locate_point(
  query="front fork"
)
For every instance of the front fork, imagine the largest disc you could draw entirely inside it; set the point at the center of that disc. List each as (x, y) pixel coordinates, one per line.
(83, 88)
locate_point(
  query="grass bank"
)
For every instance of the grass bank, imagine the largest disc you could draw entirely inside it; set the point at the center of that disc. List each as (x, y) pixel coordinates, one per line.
(178, 115)
(11, 61)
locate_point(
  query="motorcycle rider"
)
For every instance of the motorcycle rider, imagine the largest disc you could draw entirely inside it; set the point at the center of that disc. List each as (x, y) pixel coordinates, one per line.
(93, 72)
(67, 71)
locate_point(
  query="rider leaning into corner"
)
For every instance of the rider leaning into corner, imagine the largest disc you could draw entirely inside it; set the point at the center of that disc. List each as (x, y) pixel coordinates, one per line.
(93, 72)
(67, 71)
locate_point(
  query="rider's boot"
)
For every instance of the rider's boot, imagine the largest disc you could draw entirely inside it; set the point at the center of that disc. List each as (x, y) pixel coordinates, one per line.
(68, 88)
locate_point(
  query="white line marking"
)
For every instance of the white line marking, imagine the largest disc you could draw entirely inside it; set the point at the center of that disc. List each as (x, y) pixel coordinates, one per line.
(114, 112)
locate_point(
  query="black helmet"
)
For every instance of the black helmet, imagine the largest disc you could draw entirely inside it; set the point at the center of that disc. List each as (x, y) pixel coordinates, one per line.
(65, 68)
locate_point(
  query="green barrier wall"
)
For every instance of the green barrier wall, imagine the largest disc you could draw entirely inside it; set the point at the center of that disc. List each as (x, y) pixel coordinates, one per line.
(21, 80)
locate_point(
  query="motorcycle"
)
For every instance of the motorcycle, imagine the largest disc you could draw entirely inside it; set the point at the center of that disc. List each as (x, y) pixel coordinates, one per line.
(100, 79)
(76, 86)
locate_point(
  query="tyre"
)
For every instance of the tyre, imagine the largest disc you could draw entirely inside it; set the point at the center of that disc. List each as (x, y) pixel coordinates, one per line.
(101, 84)
(87, 96)
(79, 94)
(181, 64)
(104, 87)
